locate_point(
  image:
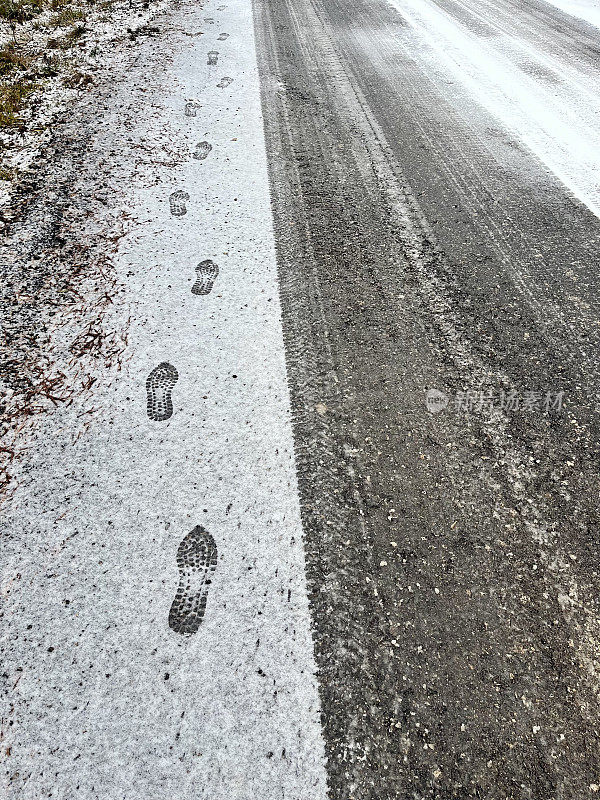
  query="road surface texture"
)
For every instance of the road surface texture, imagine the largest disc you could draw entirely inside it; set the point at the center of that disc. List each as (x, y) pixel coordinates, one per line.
(452, 557)
(328, 525)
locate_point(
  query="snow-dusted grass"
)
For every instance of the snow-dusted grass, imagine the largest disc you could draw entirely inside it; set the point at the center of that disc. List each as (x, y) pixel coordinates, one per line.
(12, 99)
(50, 51)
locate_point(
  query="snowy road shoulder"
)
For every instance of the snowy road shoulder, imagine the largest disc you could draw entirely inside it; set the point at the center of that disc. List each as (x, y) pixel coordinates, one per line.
(157, 636)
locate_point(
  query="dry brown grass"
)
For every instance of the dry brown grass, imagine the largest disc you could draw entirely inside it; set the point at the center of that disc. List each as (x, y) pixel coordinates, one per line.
(12, 101)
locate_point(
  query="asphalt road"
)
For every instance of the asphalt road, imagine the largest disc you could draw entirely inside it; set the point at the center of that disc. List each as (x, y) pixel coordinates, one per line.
(424, 244)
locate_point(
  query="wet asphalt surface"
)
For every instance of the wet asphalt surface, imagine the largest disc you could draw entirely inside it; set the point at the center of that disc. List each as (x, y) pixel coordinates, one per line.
(452, 556)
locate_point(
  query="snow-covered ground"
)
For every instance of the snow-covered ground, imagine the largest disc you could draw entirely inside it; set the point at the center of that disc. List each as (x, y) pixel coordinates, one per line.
(105, 30)
(545, 93)
(106, 698)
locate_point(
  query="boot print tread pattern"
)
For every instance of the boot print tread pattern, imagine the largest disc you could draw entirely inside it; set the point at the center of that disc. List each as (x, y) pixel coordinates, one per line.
(196, 560)
(159, 385)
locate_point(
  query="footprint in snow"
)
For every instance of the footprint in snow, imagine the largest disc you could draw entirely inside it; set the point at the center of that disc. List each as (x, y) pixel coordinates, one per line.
(196, 561)
(177, 202)
(190, 108)
(202, 150)
(159, 385)
(207, 272)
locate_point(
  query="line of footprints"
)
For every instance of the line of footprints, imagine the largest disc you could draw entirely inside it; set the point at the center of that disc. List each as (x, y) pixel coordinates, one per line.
(197, 553)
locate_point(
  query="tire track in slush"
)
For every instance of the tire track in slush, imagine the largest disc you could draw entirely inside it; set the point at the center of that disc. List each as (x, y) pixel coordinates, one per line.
(534, 68)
